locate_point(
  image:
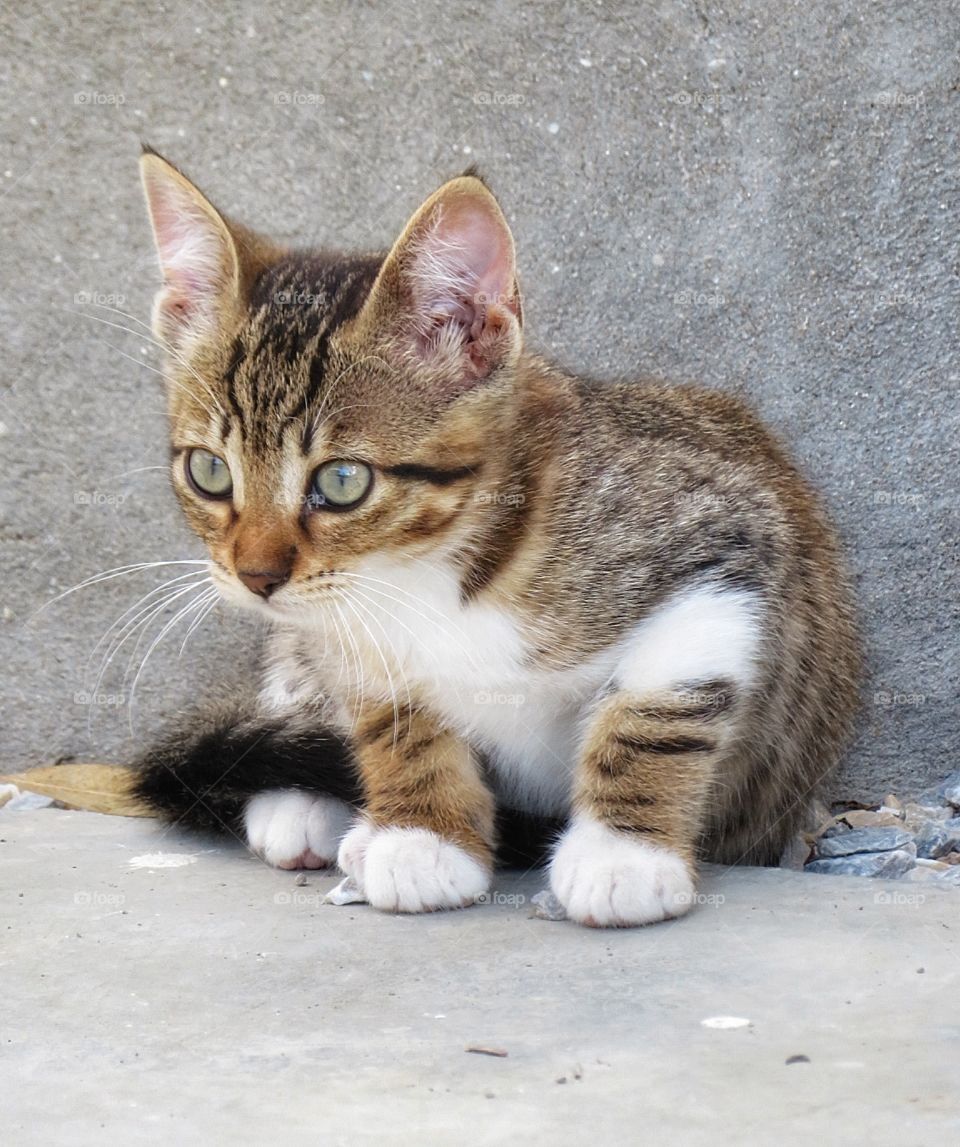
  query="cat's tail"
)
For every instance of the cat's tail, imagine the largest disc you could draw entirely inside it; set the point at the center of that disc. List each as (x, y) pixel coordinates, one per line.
(201, 777)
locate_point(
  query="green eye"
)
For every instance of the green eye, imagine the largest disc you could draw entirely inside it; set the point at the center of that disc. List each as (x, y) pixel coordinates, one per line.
(209, 474)
(340, 485)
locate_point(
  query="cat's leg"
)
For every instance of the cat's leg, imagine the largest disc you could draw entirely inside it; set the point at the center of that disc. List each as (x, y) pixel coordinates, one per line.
(293, 828)
(424, 840)
(655, 746)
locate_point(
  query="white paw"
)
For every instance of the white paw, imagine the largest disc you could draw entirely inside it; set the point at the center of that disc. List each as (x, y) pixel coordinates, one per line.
(294, 829)
(410, 869)
(605, 879)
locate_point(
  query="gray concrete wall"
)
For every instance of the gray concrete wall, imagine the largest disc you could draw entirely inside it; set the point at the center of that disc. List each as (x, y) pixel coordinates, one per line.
(762, 198)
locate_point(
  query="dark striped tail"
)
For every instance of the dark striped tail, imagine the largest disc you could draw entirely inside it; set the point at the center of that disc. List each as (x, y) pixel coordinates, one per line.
(202, 777)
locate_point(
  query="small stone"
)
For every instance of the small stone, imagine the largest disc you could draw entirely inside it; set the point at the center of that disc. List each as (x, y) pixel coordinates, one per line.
(916, 816)
(870, 818)
(301, 879)
(863, 840)
(547, 907)
(952, 795)
(885, 865)
(837, 829)
(797, 1059)
(937, 838)
(893, 804)
(952, 858)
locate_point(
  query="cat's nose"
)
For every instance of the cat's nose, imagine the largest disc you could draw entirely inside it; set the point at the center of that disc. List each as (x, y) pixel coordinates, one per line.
(263, 582)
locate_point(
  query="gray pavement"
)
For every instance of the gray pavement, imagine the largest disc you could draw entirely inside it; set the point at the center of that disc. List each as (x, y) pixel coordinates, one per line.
(159, 989)
(757, 196)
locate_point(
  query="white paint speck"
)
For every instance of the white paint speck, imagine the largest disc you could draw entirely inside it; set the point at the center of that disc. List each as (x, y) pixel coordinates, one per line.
(163, 860)
(585, 63)
(726, 1023)
(553, 128)
(223, 81)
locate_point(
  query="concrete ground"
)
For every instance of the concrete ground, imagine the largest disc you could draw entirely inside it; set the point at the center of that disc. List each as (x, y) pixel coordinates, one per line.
(162, 989)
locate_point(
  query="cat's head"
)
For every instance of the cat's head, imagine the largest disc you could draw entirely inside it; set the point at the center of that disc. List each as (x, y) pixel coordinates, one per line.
(327, 407)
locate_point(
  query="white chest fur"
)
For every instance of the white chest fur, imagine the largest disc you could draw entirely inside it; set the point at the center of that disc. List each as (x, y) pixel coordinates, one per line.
(471, 661)
(404, 629)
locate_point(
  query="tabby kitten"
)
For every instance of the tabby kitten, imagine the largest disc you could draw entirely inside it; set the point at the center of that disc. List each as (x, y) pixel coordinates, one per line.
(615, 608)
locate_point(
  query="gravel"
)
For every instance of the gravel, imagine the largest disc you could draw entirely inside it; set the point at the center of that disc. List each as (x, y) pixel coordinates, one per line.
(916, 840)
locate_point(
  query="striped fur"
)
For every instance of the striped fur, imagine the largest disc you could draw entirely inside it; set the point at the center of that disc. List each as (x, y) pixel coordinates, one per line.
(616, 603)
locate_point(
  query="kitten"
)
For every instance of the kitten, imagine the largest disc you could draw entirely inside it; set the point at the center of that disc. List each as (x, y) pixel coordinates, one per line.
(612, 609)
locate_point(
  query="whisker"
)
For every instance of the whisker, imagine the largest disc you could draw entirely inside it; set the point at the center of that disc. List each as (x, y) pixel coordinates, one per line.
(210, 603)
(354, 607)
(118, 571)
(189, 608)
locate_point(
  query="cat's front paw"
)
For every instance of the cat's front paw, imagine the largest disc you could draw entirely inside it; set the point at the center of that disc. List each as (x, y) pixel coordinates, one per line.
(605, 879)
(290, 828)
(411, 869)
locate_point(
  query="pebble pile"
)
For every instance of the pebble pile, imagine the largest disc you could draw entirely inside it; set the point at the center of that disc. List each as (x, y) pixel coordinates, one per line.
(917, 841)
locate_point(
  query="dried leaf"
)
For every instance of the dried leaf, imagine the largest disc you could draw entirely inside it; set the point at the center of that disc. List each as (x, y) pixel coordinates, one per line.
(93, 788)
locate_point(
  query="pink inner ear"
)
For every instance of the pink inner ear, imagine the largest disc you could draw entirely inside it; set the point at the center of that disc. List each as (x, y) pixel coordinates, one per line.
(192, 246)
(464, 259)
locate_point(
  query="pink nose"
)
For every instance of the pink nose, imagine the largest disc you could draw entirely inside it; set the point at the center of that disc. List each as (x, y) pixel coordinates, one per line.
(263, 582)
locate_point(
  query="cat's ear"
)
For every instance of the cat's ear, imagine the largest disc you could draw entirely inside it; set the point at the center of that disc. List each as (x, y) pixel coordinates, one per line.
(448, 289)
(198, 255)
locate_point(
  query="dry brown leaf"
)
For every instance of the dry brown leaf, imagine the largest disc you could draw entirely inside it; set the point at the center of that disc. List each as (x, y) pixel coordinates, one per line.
(92, 788)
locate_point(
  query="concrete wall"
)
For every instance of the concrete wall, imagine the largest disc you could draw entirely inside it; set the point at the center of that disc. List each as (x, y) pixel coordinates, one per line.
(764, 201)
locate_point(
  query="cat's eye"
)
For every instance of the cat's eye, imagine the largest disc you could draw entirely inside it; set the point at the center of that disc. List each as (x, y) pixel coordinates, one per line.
(340, 485)
(208, 474)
